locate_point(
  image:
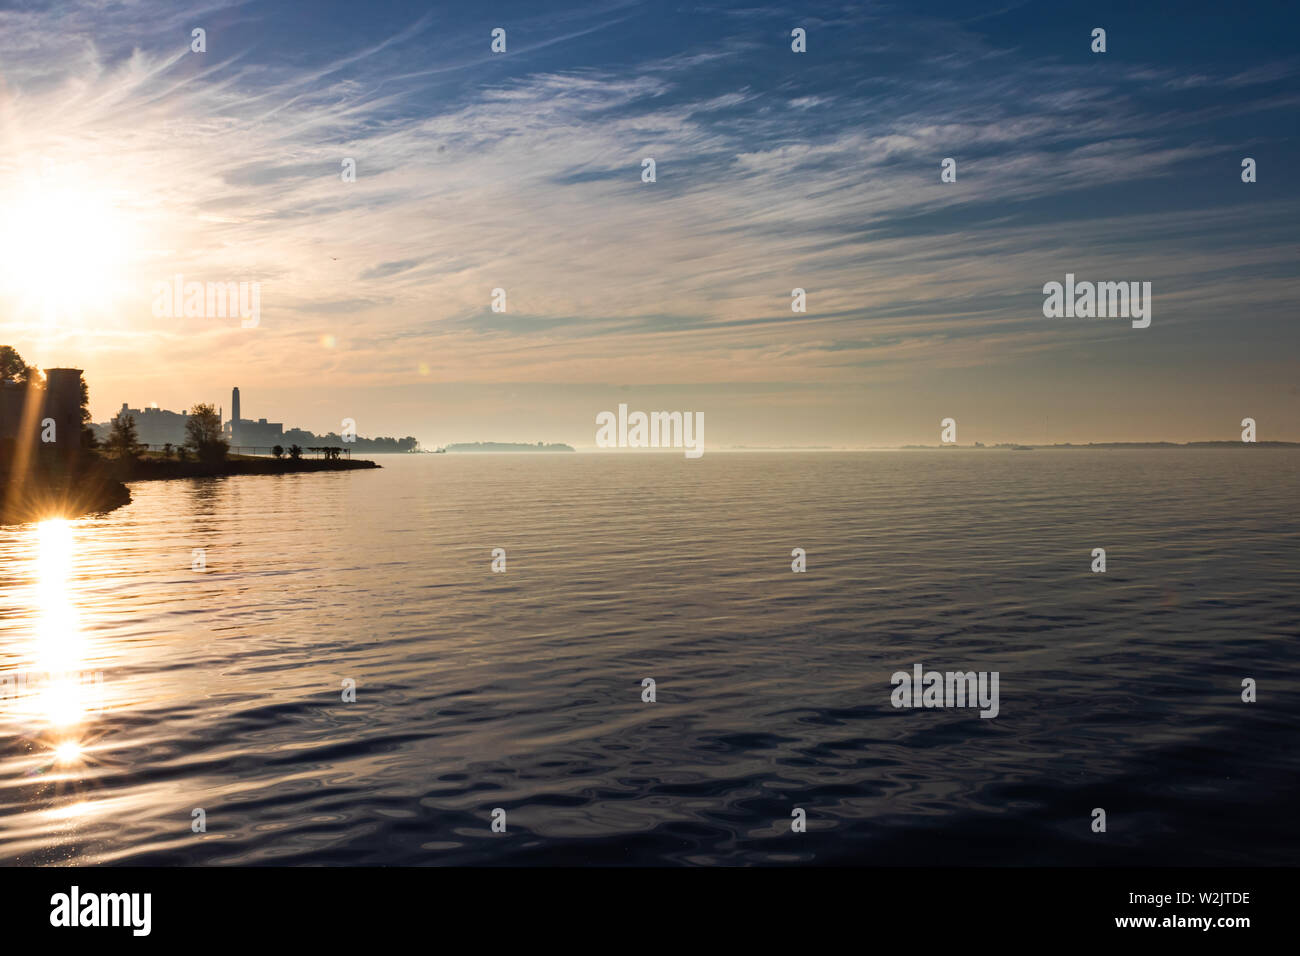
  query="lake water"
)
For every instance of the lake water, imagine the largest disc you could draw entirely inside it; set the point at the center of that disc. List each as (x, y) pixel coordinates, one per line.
(222, 688)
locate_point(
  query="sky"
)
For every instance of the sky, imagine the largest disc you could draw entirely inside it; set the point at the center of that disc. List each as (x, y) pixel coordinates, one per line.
(127, 158)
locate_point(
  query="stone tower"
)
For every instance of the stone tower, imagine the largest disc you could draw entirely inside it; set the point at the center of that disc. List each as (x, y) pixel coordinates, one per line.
(63, 404)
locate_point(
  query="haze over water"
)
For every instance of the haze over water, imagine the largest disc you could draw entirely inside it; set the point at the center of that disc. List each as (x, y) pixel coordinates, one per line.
(476, 690)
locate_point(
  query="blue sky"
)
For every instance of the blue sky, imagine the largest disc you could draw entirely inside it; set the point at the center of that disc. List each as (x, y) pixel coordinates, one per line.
(775, 170)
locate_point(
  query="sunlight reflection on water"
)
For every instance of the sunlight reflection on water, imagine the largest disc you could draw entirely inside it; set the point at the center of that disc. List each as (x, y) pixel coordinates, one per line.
(136, 688)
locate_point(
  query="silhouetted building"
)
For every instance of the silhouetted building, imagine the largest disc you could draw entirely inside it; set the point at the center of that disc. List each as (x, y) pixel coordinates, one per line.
(49, 415)
(251, 434)
(13, 402)
(63, 404)
(260, 432)
(234, 415)
(153, 426)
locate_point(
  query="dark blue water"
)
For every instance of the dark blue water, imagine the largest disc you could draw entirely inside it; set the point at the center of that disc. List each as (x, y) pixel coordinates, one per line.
(221, 688)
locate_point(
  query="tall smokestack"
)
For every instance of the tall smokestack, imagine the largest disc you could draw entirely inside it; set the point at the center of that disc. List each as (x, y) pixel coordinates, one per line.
(234, 416)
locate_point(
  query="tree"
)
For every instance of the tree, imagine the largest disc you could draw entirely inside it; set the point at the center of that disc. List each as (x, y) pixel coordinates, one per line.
(203, 433)
(167, 450)
(13, 368)
(123, 442)
(88, 439)
(85, 402)
(278, 451)
(295, 452)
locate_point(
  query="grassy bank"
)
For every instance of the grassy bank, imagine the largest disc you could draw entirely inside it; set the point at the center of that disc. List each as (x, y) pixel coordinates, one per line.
(151, 467)
(99, 485)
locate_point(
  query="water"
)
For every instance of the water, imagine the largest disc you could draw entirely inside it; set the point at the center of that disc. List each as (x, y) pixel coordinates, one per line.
(221, 689)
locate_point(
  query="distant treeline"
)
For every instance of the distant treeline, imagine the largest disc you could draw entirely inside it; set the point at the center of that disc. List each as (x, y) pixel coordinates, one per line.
(507, 446)
(372, 446)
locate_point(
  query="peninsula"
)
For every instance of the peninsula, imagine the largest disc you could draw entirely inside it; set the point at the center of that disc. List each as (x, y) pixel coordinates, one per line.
(53, 464)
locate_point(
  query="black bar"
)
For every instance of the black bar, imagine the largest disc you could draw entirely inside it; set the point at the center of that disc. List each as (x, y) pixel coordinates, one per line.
(941, 907)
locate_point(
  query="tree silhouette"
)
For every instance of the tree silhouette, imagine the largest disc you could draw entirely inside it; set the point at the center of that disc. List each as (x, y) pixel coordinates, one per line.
(13, 368)
(88, 439)
(123, 442)
(203, 434)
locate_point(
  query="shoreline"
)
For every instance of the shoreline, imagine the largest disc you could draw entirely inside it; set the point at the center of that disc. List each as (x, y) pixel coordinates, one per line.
(102, 487)
(158, 469)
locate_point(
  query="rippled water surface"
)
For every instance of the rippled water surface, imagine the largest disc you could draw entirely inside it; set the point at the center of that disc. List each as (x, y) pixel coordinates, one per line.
(176, 689)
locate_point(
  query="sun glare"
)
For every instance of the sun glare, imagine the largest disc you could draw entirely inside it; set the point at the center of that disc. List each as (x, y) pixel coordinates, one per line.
(68, 752)
(60, 643)
(64, 251)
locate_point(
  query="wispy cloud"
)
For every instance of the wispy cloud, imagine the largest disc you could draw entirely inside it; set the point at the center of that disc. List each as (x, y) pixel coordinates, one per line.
(522, 172)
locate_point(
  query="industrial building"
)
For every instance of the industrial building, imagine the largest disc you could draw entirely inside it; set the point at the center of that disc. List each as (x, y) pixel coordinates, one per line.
(154, 426)
(248, 433)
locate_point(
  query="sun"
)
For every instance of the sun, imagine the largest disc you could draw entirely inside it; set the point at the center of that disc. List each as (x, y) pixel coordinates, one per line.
(64, 249)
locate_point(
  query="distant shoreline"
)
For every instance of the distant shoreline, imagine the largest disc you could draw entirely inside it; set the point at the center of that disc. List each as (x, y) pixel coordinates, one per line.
(1009, 446)
(497, 447)
(1000, 446)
